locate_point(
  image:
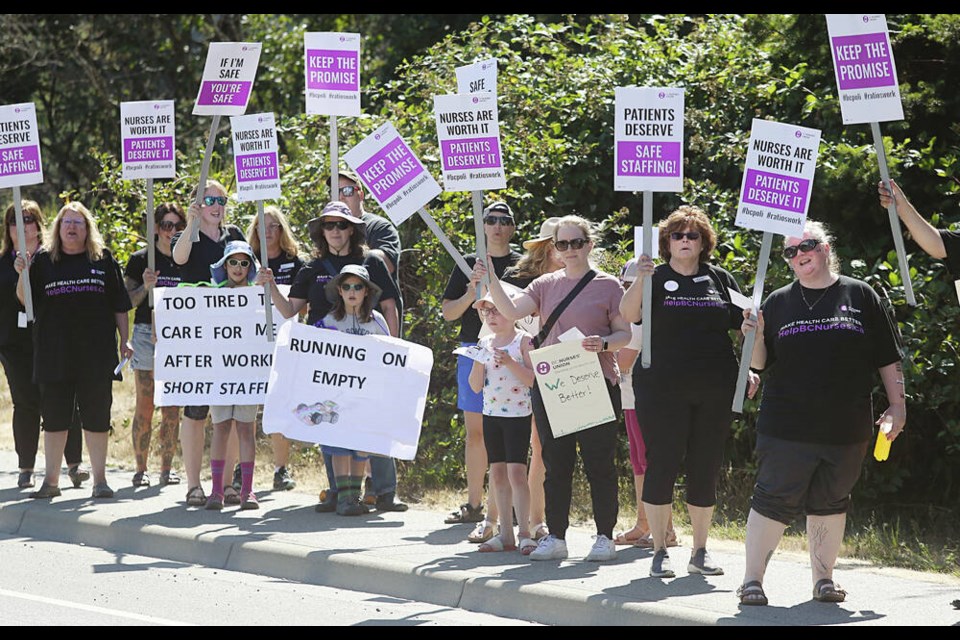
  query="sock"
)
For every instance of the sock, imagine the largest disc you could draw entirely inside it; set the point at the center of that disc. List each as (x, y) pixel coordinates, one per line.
(216, 473)
(246, 472)
(346, 490)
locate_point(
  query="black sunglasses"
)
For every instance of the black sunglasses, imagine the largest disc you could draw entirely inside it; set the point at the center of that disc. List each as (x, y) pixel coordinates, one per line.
(348, 191)
(167, 225)
(692, 236)
(806, 246)
(212, 200)
(576, 245)
(343, 225)
(503, 221)
(27, 219)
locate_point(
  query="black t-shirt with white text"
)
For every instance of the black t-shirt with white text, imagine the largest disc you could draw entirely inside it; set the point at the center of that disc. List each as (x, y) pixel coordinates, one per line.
(822, 362)
(204, 253)
(168, 275)
(470, 323)
(312, 278)
(285, 268)
(75, 303)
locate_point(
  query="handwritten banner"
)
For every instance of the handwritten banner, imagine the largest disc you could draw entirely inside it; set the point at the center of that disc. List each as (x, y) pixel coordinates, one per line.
(19, 146)
(255, 157)
(332, 68)
(148, 140)
(573, 388)
(648, 150)
(228, 77)
(469, 134)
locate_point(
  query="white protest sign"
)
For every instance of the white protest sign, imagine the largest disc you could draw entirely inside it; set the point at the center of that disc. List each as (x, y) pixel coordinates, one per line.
(468, 131)
(212, 347)
(255, 157)
(648, 150)
(333, 388)
(19, 146)
(475, 353)
(778, 178)
(479, 77)
(148, 138)
(654, 243)
(740, 300)
(864, 67)
(573, 388)
(392, 174)
(228, 77)
(332, 69)
(956, 283)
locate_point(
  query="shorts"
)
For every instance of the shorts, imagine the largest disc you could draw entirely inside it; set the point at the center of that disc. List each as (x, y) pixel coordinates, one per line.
(143, 347)
(804, 478)
(196, 413)
(507, 439)
(238, 412)
(91, 398)
(357, 456)
(467, 399)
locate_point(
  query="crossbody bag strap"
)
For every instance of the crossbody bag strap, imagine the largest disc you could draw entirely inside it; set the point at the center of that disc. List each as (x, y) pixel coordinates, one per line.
(552, 320)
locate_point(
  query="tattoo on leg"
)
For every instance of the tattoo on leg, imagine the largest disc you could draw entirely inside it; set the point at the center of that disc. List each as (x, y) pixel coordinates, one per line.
(817, 536)
(766, 561)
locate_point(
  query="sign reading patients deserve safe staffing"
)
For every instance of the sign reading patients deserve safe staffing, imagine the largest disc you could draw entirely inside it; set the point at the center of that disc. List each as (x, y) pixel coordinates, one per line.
(392, 174)
(19, 146)
(648, 150)
(865, 69)
(148, 138)
(573, 388)
(479, 77)
(228, 79)
(255, 157)
(332, 67)
(331, 387)
(212, 346)
(468, 130)
(778, 178)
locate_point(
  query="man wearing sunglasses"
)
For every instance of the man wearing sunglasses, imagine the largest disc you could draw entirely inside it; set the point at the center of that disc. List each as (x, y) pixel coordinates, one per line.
(458, 298)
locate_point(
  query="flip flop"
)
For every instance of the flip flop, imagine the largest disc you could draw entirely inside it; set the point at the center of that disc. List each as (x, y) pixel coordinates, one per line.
(526, 546)
(494, 545)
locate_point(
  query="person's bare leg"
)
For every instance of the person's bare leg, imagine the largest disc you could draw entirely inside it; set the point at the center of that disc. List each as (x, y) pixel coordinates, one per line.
(169, 433)
(54, 444)
(504, 499)
(281, 450)
(142, 426)
(825, 537)
(191, 449)
(97, 444)
(763, 538)
(658, 517)
(536, 474)
(700, 519)
(476, 460)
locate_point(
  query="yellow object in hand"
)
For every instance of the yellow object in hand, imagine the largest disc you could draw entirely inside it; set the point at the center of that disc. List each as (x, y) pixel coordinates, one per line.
(881, 450)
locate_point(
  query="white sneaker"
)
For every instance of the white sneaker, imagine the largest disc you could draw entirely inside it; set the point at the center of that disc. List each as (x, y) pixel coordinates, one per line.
(603, 550)
(550, 548)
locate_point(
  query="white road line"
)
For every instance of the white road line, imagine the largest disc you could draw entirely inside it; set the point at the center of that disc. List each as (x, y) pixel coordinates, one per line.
(100, 610)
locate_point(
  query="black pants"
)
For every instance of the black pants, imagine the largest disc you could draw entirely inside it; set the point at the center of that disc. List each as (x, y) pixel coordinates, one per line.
(598, 448)
(25, 395)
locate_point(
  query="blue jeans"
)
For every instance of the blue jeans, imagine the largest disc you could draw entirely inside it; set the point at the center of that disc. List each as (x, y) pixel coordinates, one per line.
(383, 474)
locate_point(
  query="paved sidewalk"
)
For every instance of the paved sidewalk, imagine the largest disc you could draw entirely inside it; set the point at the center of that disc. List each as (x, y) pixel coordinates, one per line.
(413, 555)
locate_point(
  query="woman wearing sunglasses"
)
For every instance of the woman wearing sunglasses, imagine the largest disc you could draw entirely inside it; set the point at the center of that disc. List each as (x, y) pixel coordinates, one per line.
(683, 399)
(140, 281)
(194, 260)
(594, 311)
(822, 340)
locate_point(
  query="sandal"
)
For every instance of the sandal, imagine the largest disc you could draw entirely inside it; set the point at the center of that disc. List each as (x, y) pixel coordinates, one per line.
(646, 541)
(249, 502)
(483, 532)
(141, 479)
(826, 590)
(231, 495)
(540, 532)
(169, 477)
(214, 503)
(526, 546)
(45, 491)
(78, 475)
(751, 593)
(495, 544)
(624, 539)
(465, 514)
(102, 491)
(196, 497)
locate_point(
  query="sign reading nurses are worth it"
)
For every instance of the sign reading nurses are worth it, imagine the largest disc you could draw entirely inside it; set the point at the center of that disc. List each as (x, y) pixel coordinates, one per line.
(778, 178)
(255, 156)
(469, 134)
(148, 139)
(19, 146)
(228, 77)
(865, 69)
(332, 68)
(648, 153)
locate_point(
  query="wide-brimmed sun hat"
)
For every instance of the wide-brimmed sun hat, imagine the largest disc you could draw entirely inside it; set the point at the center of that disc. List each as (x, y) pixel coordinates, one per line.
(333, 210)
(547, 232)
(513, 292)
(218, 270)
(332, 288)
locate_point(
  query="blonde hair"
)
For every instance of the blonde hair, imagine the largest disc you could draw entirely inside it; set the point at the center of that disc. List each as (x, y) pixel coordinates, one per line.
(288, 243)
(820, 231)
(581, 223)
(535, 262)
(27, 207)
(94, 243)
(688, 216)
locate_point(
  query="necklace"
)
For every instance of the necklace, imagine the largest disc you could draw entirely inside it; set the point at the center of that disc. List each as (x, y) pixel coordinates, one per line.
(804, 297)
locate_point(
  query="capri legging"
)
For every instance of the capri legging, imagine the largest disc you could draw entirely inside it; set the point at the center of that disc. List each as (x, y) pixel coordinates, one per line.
(685, 421)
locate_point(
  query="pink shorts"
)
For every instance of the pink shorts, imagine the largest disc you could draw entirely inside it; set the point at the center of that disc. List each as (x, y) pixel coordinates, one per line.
(638, 450)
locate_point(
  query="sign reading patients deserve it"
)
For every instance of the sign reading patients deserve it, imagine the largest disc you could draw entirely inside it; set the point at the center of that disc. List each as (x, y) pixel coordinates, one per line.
(330, 387)
(573, 388)
(778, 178)
(865, 69)
(479, 77)
(332, 68)
(19, 146)
(148, 139)
(255, 157)
(392, 174)
(469, 134)
(648, 149)
(228, 77)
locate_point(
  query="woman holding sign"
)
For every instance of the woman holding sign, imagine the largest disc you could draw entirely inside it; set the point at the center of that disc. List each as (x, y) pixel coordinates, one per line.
(683, 400)
(81, 307)
(821, 341)
(583, 298)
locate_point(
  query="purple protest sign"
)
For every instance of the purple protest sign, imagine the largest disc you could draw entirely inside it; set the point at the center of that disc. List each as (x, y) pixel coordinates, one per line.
(140, 149)
(255, 157)
(476, 153)
(253, 168)
(863, 61)
(331, 65)
(649, 159)
(330, 69)
(468, 131)
(19, 146)
(390, 170)
(227, 81)
(16, 161)
(224, 93)
(787, 193)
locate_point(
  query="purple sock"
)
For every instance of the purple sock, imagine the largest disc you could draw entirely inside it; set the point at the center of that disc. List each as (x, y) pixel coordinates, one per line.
(216, 473)
(246, 471)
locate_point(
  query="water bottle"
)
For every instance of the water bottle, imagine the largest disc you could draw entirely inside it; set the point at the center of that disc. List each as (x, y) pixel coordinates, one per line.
(881, 450)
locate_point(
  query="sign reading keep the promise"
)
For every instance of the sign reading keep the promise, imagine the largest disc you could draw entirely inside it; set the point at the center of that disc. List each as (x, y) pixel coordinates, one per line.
(469, 134)
(256, 158)
(19, 146)
(148, 138)
(332, 69)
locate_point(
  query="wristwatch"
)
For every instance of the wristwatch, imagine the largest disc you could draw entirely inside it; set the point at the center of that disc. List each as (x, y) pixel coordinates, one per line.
(605, 345)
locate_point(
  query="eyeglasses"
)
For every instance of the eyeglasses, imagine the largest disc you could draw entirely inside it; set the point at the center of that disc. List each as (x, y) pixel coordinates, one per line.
(576, 245)
(343, 225)
(489, 311)
(169, 225)
(233, 262)
(212, 200)
(27, 219)
(692, 236)
(70, 222)
(347, 288)
(349, 191)
(503, 221)
(808, 245)
(273, 226)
